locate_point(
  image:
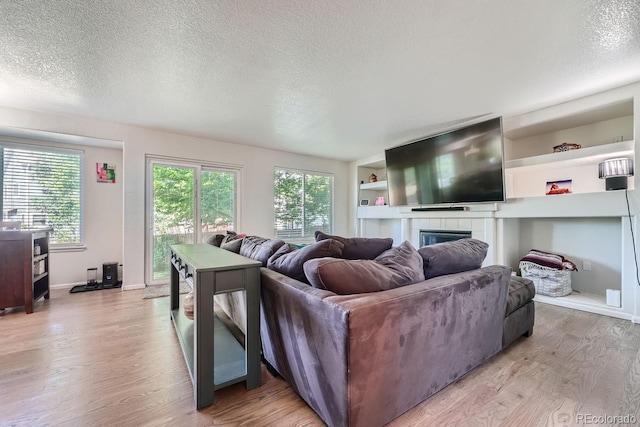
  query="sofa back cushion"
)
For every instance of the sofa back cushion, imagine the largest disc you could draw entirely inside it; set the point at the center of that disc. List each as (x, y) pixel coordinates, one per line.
(289, 261)
(217, 239)
(259, 248)
(452, 257)
(398, 266)
(231, 242)
(359, 247)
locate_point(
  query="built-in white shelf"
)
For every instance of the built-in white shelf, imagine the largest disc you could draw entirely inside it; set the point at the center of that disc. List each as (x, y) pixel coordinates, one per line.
(608, 116)
(585, 155)
(585, 302)
(584, 205)
(378, 212)
(378, 185)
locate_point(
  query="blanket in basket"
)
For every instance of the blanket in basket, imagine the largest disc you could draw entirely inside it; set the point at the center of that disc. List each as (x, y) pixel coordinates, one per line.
(549, 272)
(550, 260)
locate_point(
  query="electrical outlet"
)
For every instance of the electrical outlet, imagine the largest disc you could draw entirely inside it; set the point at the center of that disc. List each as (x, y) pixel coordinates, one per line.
(586, 265)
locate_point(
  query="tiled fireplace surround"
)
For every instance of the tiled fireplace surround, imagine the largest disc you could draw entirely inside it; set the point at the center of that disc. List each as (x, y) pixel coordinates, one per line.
(481, 229)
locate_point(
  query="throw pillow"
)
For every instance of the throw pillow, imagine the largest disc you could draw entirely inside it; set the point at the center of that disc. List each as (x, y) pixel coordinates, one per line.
(406, 263)
(345, 276)
(231, 243)
(215, 239)
(359, 247)
(453, 257)
(290, 261)
(396, 267)
(259, 249)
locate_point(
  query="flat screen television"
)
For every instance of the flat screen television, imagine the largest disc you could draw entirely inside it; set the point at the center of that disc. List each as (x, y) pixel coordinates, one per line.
(462, 166)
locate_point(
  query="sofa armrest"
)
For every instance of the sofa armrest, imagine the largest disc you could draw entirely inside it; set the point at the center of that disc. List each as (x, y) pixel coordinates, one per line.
(420, 338)
(304, 337)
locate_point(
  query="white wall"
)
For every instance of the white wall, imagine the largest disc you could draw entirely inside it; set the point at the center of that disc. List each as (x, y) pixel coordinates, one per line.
(102, 222)
(257, 175)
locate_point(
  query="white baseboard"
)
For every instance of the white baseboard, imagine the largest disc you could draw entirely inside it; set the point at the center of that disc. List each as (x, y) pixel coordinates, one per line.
(133, 287)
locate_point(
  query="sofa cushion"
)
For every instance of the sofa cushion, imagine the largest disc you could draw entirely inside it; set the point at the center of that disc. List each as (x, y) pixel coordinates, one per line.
(259, 249)
(216, 239)
(405, 260)
(359, 247)
(231, 242)
(398, 266)
(452, 257)
(521, 291)
(289, 261)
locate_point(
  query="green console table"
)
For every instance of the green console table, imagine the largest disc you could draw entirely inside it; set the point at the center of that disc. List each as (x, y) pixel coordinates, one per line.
(214, 357)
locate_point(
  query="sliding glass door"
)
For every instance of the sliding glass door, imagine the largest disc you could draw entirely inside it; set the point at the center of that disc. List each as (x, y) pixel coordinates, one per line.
(217, 202)
(181, 195)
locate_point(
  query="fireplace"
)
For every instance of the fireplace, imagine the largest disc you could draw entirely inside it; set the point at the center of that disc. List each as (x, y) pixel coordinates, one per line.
(430, 237)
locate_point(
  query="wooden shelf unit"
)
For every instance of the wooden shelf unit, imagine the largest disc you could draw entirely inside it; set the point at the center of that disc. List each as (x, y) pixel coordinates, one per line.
(24, 276)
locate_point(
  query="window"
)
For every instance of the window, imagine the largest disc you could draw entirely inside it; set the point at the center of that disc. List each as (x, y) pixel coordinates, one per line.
(303, 203)
(42, 187)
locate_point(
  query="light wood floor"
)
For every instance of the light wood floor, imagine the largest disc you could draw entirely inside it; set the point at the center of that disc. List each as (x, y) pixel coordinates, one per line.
(111, 358)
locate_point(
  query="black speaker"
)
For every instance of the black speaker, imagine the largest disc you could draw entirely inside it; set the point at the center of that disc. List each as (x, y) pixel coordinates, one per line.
(110, 275)
(616, 183)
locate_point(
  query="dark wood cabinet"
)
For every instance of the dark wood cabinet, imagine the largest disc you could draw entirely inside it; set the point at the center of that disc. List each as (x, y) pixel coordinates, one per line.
(24, 268)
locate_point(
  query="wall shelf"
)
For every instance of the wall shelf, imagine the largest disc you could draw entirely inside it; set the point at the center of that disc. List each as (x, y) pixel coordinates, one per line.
(581, 156)
(378, 212)
(378, 185)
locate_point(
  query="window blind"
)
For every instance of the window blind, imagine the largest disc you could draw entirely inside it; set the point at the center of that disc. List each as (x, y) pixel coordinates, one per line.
(43, 187)
(303, 203)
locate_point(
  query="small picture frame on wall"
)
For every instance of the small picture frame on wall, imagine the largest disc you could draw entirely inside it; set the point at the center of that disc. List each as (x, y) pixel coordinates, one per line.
(106, 172)
(558, 187)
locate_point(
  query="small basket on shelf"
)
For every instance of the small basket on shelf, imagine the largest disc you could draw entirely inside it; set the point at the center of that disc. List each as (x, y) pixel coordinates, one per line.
(549, 272)
(188, 305)
(548, 281)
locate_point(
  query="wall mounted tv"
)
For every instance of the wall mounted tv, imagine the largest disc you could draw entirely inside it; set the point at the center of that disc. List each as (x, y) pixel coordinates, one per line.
(462, 166)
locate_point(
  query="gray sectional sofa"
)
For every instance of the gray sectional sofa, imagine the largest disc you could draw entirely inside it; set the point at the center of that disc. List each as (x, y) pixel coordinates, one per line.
(363, 359)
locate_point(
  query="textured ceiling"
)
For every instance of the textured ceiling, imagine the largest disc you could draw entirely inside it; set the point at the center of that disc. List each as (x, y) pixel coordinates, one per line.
(338, 79)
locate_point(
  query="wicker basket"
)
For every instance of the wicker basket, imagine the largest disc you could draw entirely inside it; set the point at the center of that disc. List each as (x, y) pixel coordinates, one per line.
(548, 281)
